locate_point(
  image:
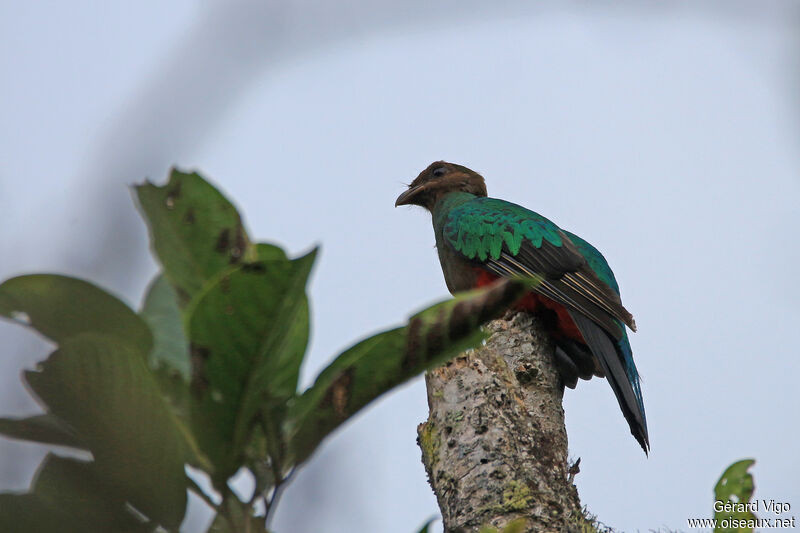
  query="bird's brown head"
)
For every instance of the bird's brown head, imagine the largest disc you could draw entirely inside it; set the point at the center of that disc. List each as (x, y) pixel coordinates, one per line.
(439, 179)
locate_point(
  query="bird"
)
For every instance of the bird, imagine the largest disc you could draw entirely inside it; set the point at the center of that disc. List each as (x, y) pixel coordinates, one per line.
(480, 239)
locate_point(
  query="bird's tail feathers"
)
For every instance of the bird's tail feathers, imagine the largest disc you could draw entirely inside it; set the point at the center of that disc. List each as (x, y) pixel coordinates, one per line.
(621, 380)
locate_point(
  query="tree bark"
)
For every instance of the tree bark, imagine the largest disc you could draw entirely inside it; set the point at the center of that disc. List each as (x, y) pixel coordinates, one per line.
(494, 445)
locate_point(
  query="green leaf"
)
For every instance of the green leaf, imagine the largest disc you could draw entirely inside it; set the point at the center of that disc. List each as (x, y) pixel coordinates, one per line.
(249, 330)
(427, 525)
(46, 429)
(269, 252)
(75, 486)
(162, 314)
(23, 513)
(386, 360)
(195, 231)
(61, 307)
(169, 360)
(257, 459)
(103, 389)
(67, 496)
(735, 487)
(175, 390)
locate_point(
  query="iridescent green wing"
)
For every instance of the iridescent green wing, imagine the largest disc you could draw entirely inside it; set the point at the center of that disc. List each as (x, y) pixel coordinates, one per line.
(595, 260)
(509, 240)
(502, 234)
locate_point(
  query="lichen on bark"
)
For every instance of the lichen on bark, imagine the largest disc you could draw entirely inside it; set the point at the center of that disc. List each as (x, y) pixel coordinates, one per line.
(494, 445)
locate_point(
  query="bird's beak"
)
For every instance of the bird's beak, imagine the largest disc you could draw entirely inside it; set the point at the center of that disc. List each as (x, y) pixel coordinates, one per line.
(407, 197)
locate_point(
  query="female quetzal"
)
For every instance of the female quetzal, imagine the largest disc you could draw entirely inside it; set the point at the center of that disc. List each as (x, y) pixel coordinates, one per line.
(480, 239)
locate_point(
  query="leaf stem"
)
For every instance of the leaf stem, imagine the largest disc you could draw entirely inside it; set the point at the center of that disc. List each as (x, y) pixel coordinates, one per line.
(276, 496)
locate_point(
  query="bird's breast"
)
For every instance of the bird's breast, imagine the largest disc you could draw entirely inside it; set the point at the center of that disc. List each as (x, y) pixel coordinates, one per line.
(459, 274)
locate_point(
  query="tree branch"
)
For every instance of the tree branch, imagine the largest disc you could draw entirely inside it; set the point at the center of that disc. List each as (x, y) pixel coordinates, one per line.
(494, 444)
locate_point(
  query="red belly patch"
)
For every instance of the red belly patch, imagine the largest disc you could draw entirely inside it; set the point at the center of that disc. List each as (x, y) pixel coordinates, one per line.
(536, 303)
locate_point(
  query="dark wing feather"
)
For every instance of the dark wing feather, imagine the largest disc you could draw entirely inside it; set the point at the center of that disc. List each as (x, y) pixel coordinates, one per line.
(588, 284)
(568, 281)
(603, 348)
(566, 367)
(548, 259)
(510, 240)
(586, 364)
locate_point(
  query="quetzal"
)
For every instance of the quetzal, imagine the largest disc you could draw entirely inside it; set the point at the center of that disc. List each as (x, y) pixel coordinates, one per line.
(481, 239)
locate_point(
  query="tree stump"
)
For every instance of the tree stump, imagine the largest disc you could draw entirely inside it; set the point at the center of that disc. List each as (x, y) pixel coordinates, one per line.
(494, 445)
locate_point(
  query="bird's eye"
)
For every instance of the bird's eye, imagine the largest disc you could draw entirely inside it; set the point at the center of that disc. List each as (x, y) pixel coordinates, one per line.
(439, 171)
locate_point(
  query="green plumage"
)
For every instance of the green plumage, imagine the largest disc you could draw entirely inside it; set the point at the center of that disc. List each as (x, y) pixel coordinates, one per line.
(596, 261)
(480, 227)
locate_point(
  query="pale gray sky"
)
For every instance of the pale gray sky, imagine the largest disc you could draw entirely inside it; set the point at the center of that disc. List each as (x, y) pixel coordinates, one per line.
(666, 135)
